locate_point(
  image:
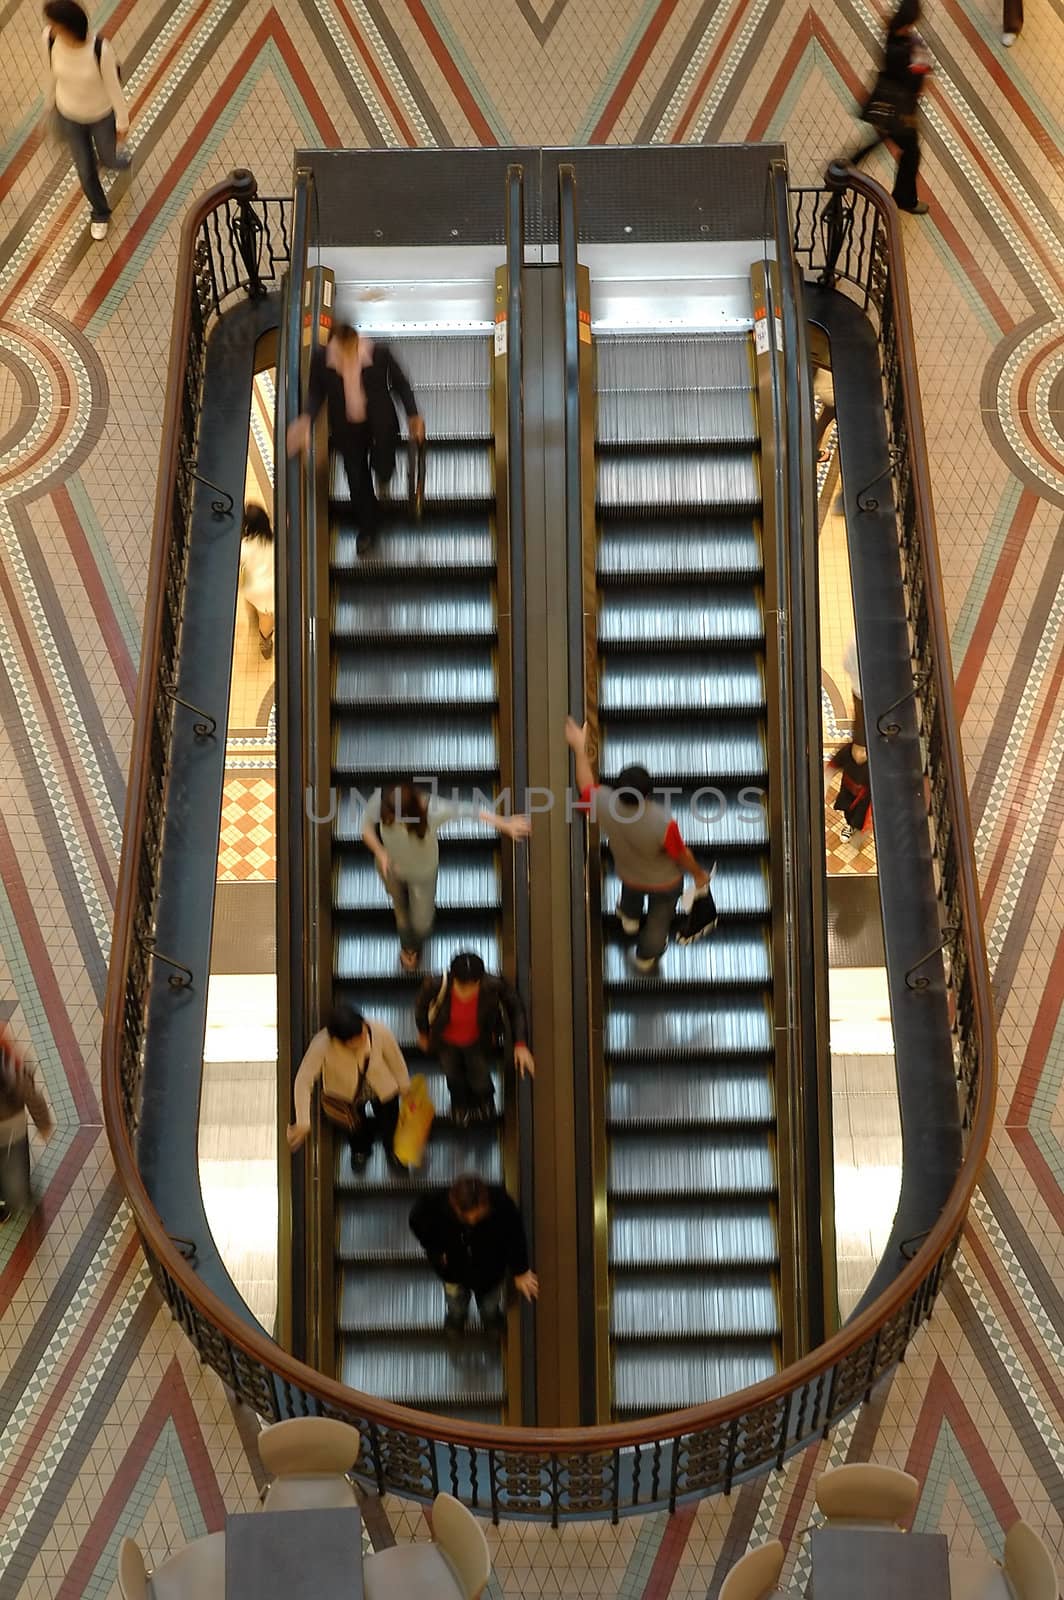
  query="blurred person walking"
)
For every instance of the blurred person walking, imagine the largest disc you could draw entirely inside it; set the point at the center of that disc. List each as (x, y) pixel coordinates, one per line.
(892, 108)
(19, 1094)
(83, 85)
(473, 1236)
(256, 574)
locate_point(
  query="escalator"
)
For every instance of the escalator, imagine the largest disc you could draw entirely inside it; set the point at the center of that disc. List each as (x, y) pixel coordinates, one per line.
(691, 1178)
(414, 691)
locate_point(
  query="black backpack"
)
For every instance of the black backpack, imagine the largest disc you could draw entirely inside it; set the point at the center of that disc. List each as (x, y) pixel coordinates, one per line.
(97, 50)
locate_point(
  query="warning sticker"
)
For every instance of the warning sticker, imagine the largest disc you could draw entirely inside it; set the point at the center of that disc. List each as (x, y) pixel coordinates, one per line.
(761, 336)
(500, 337)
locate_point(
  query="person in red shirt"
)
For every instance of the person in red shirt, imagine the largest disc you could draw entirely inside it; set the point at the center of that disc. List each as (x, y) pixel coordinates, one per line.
(465, 1020)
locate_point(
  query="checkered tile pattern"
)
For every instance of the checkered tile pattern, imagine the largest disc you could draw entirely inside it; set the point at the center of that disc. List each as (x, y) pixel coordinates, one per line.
(248, 842)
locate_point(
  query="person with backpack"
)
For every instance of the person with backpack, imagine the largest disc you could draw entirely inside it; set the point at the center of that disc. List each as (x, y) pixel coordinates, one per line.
(19, 1094)
(83, 85)
(465, 1020)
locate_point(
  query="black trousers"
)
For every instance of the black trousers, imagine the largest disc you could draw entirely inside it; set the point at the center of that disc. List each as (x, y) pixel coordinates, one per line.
(382, 1122)
(908, 143)
(1012, 17)
(365, 453)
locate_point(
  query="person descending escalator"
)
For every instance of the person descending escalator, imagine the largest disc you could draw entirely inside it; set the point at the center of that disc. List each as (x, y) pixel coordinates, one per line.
(400, 827)
(359, 378)
(363, 1073)
(467, 1020)
(648, 851)
(473, 1236)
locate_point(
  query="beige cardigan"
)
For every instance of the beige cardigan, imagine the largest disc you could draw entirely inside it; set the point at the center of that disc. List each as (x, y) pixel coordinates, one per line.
(386, 1074)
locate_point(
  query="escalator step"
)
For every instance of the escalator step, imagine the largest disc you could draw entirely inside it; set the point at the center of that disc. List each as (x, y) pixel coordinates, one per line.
(651, 1376)
(661, 547)
(405, 1299)
(734, 956)
(392, 1004)
(369, 953)
(673, 417)
(633, 683)
(462, 414)
(456, 361)
(655, 478)
(468, 879)
(454, 473)
(681, 1305)
(672, 362)
(688, 1164)
(445, 744)
(351, 804)
(379, 1231)
(403, 678)
(689, 1094)
(722, 817)
(421, 609)
(644, 616)
(693, 750)
(638, 1024)
(451, 1151)
(425, 1373)
(443, 545)
(709, 1234)
(740, 886)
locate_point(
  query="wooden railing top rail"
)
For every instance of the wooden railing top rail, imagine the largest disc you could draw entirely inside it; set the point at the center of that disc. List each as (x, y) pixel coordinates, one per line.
(614, 1436)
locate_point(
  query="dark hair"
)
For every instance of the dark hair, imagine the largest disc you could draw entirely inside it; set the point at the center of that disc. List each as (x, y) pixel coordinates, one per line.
(69, 15)
(343, 332)
(632, 781)
(343, 1022)
(905, 16)
(402, 802)
(467, 967)
(256, 523)
(468, 1193)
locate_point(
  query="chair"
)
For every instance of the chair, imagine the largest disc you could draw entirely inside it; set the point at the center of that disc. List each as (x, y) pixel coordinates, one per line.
(863, 1495)
(455, 1566)
(195, 1573)
(1028, 1572)
(308, 1459)
(755, 1575)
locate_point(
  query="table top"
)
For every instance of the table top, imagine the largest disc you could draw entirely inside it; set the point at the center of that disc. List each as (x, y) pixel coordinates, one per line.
(294, 1555)
(870, 1564)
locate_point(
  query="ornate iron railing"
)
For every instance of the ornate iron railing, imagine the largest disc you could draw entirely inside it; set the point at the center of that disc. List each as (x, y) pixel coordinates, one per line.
(657, 1461)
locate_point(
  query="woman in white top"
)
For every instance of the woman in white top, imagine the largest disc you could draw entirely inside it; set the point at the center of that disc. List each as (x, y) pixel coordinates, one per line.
(256, 573)
(82, 84)
(360, 1066)
(400, 826)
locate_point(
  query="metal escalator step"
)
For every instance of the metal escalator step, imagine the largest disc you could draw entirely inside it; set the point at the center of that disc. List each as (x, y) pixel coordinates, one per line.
(468, 879)
(723, 816)
(675, 361)
(676, 417)
(711, 615)
(651, 1376)
(446, 744)
(420, 609)
(445, 361)
(689, 1094)
(371, 952)
(351, 803)
(729, 480)
(734, 956)
(376, 1232)
(454, 473)
(406, 1299)
(403, 678)
(441, 545)
(691, 750)
(680, 1305)
(392, 1004)
(459, 413)
(425, 1373)
(451, 1151)
(637, 1024)
(632, 683)
(721, 1233)
(662, 548)
(740, 885)
(686, 1164)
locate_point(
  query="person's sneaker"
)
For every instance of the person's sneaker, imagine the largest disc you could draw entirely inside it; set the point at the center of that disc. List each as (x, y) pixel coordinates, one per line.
(98, 230)
(648, 963)
(494, 1327)
(920, 209)
(845, 833)
(460, 1116)
(453, 1327)
(484, 1110)
(5, 1211)
(395, 1164)
(360, 1162)
(1008, 40)
(629, 925)
(122, 161)
(265, 647)
(363, 542)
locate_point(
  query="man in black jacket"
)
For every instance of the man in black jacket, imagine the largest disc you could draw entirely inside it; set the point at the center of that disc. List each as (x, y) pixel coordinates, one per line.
(464, 1020)
(358, 378)
(473, 1235)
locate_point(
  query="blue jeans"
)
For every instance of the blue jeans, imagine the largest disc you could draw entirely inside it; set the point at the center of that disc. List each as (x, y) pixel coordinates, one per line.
(490, 1304)
(93, 143)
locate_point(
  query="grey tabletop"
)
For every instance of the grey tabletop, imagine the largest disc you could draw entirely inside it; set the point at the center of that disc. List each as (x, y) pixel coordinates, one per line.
(290, 1555)
(866, 1564)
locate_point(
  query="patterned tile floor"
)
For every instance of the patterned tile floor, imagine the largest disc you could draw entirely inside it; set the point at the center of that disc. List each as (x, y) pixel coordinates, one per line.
(107, 1423)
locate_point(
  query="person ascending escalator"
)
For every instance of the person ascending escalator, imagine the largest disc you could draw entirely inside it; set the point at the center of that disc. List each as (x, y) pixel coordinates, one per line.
(473, 1236)
(359, 378)
(466, 1020)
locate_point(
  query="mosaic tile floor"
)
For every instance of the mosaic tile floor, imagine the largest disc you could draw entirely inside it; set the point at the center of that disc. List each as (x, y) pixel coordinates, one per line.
(107, 1424)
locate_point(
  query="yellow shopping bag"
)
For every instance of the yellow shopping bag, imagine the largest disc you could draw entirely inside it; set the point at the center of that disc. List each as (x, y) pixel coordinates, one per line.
(415, 1120)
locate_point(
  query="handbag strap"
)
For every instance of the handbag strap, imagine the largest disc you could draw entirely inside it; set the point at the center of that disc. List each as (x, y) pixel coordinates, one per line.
(360, 1081)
